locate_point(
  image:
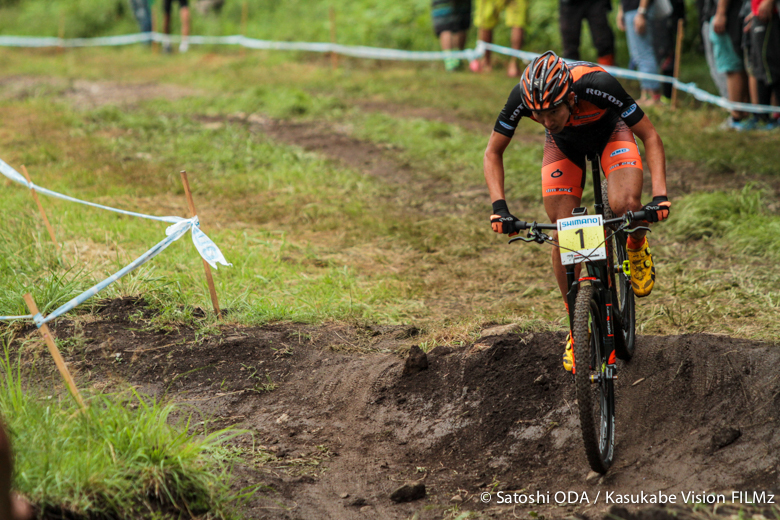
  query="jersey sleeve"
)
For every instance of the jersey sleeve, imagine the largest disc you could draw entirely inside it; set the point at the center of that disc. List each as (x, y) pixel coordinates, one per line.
(513, 112)
(604, 91)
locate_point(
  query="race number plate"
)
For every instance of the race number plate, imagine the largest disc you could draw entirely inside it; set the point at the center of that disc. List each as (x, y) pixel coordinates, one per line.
(581, 239)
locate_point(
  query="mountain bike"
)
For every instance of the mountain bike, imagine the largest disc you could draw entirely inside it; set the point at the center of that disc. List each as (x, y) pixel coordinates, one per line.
(601, 303)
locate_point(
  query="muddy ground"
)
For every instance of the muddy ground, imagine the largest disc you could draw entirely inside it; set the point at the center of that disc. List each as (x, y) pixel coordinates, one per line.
(340, 419)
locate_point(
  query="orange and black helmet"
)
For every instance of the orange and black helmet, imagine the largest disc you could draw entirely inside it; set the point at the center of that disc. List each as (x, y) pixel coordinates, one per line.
(546, 82)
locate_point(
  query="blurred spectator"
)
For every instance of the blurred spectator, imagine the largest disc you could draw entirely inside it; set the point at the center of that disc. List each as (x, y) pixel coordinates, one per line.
(184, 14)
(143, 14)
(572, 14)
(762, 39)
(451, 21)
(726, 36)
(665, 42)
(12, 507)
(486, 19)
(634, 18)
(707, 10)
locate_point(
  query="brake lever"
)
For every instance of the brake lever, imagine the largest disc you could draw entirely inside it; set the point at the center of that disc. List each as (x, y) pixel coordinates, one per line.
(629, 231)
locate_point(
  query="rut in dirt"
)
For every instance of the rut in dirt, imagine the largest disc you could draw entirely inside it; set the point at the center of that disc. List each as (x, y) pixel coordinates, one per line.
(694, 412)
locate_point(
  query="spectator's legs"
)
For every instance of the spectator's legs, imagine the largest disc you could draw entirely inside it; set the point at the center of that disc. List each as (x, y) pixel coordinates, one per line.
(486, 35)
(512, 70)
(600, 31)
(737, 85)
(571, 26)
(184, 14)
(640, 46)
(459, 40)
(718, 77)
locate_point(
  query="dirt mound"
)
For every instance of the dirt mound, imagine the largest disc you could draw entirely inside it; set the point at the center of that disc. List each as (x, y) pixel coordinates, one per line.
(341, 420)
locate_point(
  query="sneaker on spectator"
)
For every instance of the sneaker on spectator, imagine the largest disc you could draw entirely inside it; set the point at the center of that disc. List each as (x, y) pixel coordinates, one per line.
(451, 64)
(184, 46)
(739, 125)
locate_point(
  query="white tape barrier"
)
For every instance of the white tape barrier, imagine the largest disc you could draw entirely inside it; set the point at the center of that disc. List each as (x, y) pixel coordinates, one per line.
(174, 232)
(11, 318)
(207, 249)
(362, 52)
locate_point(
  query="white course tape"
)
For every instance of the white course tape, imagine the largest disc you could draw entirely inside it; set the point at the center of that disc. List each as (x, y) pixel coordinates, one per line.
(9, 318)
(207, 249)
(362, 52)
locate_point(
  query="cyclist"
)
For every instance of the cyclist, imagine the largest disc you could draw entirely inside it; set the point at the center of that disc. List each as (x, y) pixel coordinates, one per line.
(584, 111)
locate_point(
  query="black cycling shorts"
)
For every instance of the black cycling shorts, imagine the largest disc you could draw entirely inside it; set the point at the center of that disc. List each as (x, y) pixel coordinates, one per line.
(451, 15)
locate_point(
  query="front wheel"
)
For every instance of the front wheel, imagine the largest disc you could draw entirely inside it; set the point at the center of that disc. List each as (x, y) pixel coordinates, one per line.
(624, 292)
(593, 382)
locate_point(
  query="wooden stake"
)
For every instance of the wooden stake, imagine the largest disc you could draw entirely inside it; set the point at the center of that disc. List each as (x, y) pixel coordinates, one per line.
(334, 58)
(206, 266)
(55, 353)
(40, 208)
(677, 53)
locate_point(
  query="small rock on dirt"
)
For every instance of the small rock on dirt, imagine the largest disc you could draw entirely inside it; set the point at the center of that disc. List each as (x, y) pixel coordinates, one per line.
(442, 351)
(408, 332)
(542, 379)
(344, 495)
(592, 477)
(456, 498)
(416, 361)
(724, 437)
(408, 493)
(500, 330)
(283, 418)
(357, 502)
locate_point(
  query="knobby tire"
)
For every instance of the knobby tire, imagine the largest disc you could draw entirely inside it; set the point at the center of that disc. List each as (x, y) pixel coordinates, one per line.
(596, 401)
(624, 301)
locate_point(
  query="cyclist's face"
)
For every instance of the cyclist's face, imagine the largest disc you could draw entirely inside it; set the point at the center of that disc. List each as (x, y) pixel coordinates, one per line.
(554, 119)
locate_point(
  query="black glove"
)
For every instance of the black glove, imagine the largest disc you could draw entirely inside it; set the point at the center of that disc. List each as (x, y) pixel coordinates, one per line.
(501, 220)
(657, 210)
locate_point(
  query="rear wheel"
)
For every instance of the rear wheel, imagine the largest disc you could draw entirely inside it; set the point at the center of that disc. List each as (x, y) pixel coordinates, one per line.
(593, 382)
(624, 292)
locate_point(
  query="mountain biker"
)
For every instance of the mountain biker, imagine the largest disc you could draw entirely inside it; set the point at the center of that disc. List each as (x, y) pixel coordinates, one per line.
(584, 111)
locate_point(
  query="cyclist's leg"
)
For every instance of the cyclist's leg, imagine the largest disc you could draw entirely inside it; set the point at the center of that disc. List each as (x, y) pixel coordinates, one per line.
(563, 177)
(622, 165)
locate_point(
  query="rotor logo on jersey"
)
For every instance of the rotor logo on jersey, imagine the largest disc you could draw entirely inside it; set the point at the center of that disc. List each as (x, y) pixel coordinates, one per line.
(612, 99)
(557, 173)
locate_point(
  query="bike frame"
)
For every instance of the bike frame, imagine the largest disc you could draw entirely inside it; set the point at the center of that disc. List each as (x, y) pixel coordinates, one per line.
(600, 273)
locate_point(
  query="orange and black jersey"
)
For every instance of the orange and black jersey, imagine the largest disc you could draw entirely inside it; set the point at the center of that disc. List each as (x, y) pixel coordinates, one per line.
(601, 101)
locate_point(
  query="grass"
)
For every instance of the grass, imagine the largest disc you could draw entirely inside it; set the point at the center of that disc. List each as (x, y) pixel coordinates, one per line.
(125, 457)
(313, 240)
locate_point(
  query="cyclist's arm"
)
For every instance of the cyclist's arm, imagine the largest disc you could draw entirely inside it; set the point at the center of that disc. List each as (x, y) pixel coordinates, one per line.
(654, 154)
(493, 163)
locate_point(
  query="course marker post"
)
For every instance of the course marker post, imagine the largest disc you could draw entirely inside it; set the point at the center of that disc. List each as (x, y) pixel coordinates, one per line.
(40, 208)
(55, 352)
(206, 266)
(677, 57)
(334, 58)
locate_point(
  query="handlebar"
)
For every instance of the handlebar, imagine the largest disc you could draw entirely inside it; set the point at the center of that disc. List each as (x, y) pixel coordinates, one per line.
(630, 216)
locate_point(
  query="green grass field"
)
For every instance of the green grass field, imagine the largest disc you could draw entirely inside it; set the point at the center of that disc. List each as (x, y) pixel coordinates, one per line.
(314, 238)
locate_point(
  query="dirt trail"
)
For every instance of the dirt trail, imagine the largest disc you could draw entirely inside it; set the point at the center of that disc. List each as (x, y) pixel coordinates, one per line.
(345, 425)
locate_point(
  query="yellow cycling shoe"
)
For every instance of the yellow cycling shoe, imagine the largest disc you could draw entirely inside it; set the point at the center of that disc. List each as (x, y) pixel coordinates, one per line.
(568, 355)
(642, 269)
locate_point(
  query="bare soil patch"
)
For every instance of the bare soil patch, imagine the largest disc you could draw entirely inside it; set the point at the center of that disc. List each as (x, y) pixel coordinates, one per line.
(346, 422)
(84, 94)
